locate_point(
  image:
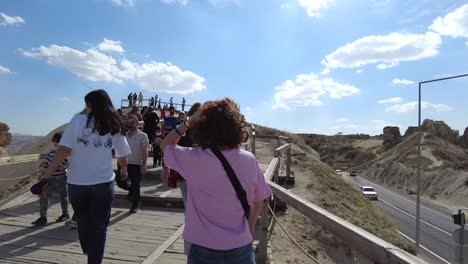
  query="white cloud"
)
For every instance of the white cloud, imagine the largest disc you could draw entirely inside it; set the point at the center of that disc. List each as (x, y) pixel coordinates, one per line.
(287, 6)
(360, 71)
(111, 46)
(388, 50)
(413, 106)
(466, 43)
(94, 65)
(454, 24)
(163, 77)
(124, 3)
(402, 81)
(394, 100)
(313, 7)
(342, 120)
(307, 89)
(4, 70)
(383, 66)
(8, 20)
(91, 64)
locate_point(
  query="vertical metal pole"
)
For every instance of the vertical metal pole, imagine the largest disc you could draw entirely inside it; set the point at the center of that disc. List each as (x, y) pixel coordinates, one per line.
(418, 179)
(462, 236)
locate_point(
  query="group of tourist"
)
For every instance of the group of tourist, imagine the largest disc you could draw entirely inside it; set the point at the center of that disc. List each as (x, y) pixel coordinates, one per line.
(155, 102)
(222, 185)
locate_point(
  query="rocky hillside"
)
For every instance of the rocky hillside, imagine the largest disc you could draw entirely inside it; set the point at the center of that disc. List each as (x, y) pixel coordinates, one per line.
(394, 160)
(5, 138)
(19, 141)
(41, 145)
(319, 183)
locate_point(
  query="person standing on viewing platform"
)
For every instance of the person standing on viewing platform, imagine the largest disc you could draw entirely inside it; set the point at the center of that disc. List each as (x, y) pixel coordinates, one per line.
(159, 103)
(56, 185)
(183, 104)
(140, 100)
(171, 102)
(138, 142)
(135, 97)
(135, 112)
(129, 98)
(89, 140)
(218, 224)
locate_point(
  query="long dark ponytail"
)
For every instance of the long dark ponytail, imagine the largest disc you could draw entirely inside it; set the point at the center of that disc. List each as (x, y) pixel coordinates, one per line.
(105, 117)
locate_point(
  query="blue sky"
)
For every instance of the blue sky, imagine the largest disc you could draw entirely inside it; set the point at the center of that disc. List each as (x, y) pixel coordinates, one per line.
(319, 66)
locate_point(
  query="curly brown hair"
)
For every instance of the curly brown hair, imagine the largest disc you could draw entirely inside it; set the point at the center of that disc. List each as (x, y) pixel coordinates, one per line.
(221, 125)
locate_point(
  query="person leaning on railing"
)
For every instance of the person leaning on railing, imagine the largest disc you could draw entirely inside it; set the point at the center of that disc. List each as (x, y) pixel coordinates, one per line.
(218, 223)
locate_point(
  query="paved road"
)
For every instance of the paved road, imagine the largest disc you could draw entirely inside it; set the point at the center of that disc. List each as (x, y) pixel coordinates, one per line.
(436, 225)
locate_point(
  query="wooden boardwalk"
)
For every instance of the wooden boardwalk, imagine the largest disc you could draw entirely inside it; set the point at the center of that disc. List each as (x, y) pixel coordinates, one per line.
(153, 235)
(130, 239)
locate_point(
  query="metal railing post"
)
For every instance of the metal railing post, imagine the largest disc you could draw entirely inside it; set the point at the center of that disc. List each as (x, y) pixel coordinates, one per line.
(288, 161)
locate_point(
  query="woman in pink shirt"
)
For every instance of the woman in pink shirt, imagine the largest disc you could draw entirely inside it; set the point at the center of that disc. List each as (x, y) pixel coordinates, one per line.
(218, 224)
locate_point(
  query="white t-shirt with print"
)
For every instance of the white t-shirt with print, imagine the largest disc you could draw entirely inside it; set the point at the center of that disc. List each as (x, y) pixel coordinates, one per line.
(90, 161)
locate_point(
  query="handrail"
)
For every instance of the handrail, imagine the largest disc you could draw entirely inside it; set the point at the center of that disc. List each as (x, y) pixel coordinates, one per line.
(21, 159)
(148, 100)
(284, 147)
(371, 246)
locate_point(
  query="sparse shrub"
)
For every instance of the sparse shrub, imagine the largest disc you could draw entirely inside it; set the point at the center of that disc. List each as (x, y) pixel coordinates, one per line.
(434, 196)
(411, 192)
(466, 183)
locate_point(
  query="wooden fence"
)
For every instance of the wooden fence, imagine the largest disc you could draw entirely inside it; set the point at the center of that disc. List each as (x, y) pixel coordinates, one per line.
(367, 244)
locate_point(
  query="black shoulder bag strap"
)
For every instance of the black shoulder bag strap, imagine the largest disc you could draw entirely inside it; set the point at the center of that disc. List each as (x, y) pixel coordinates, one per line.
(240, 192)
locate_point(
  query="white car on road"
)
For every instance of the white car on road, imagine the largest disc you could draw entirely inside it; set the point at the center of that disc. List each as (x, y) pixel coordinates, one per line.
(369, 192)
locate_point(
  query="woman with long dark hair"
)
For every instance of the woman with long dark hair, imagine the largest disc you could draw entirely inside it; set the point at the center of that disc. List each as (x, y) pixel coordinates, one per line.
(89, 140)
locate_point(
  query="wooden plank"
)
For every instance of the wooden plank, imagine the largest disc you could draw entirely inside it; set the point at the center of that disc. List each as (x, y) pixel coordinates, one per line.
(20, 159)
(160, 250)
(270, 171)
(283, 147)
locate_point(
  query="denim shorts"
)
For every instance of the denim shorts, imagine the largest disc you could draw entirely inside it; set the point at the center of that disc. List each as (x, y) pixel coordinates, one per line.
(202, 255)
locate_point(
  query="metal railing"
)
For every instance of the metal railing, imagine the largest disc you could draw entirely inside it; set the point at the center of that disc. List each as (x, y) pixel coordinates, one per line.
(124, 103)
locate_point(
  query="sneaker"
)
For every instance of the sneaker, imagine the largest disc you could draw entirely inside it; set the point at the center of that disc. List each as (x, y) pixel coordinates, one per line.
(71, 224)
(134, 208)
(63, 217)
(41, 221)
